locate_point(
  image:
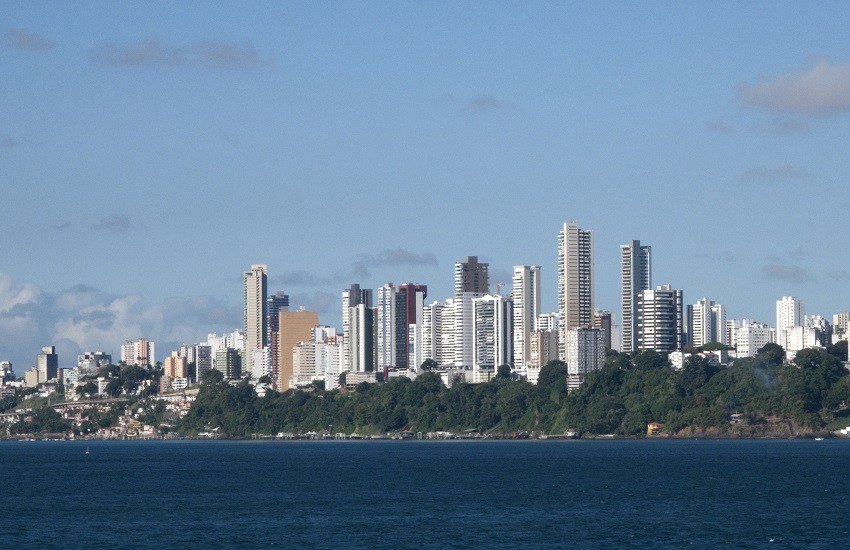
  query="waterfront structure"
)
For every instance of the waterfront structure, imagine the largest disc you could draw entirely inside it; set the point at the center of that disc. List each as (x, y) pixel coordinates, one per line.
(492, 338)
(660, 320)
(706, 323)
(255, 312)
(138, 352)
(575, 280)
(585, 353)
(277, 302)
(635, 277)
(526, 305)
(293, 327)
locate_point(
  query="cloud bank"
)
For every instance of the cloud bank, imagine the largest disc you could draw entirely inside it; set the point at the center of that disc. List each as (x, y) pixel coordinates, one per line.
(150, 53)
(22, 39)
(822, 89)
(83, 318)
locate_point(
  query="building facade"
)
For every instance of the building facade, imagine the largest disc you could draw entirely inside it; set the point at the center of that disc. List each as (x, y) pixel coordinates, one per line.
(660, 320)
(255, 311)
(635, 277)
(575, 280)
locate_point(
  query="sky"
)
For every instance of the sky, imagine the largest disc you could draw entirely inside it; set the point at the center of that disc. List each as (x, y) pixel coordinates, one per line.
(151, 152)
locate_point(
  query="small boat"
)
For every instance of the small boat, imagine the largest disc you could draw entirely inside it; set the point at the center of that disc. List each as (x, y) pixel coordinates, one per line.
(88, 451)
(818, 439)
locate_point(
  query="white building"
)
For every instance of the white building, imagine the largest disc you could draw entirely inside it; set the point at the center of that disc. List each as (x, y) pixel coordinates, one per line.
(660, 319)
(707, 323)
(255, 315)
(840, 326)
(575, 280)
(139, 352)
(385, 326)
(747, 337)
(492, 338)
(526, 297)
(789, 314)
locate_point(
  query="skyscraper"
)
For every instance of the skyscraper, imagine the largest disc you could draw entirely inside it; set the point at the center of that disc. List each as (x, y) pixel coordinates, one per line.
(790, 313)
(660, 321)
(575, 280)
(471, 281)
(256, 310)
(277, 302)
(351, 297)
(706, 323)
(492, 337)
(47, 363)
(294, 327)
(385, 326)
(526, 296)
(635, 277)
(409, 309)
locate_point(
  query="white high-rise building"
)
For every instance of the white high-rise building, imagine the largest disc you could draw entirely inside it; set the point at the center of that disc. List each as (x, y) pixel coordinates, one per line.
(790, 313)
(660, 321)
(351, 297)
(385, 326)
(255, 313)
(492, 338)
(840, 326)
(526, 297)
(635, 277)
(748, 337)
(575, 280)
(707, 323)
(139, 352)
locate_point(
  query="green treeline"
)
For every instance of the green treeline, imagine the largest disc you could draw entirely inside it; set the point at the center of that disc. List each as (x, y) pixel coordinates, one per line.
(767, 397)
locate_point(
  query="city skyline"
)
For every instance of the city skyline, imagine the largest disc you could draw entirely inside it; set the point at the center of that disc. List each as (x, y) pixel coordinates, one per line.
(495, 123)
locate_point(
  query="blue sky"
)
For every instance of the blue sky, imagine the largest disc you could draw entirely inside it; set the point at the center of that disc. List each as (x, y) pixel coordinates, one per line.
(150, 152)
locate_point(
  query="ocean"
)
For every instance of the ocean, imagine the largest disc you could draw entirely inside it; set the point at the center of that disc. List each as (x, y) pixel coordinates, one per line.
(426, 494)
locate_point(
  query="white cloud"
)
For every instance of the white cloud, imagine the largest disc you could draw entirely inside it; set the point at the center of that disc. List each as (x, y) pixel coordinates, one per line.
(821, 89)
(83, 318)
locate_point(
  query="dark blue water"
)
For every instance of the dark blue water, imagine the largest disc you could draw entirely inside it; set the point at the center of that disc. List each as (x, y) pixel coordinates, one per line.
(582, 494)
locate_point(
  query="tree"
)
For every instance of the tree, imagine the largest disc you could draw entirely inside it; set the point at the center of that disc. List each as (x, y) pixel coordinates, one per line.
(504, 371)
(212, 377)
(265, 379)
(771, 354)
(429, 364)
(839, 350)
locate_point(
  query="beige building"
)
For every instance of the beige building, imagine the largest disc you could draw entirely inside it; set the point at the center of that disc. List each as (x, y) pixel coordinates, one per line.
(294, 327)
(256, 290)
(174, 366)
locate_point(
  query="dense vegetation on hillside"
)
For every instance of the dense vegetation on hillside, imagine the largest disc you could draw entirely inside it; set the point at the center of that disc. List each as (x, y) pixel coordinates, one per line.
(767, 397)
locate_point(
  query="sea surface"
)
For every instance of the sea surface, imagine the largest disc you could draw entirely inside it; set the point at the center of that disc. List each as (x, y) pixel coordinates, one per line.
(425, 494)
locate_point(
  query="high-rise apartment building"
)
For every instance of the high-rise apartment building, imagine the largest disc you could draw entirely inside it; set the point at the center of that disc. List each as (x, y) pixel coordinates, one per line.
(635, 277)
(603, 320)
(585, 353)
(228, 361)
(47, 363)
(255, 312)
(492, 338)
(575, 280)
(139, 352)
(361, 325)
(277, 302)
(706, 323)
(409, 311)
(385, 326)
(472, 276)
(471, 281)
(660, 321)
(351, 297)
(526, 298)
(748, 337)
(294, 327)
